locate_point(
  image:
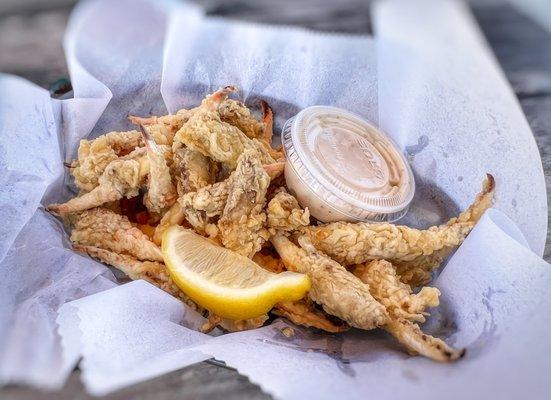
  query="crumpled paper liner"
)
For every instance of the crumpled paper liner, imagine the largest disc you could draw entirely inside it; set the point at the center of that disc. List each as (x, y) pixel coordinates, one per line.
(128, 334)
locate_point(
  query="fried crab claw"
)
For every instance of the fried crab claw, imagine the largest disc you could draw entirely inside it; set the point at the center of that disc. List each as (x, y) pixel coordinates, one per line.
(398, 298)
(207, 133)
(201, 207)
(161, 193)
(415, 252)
(193, 170)
(405, 310)
(153, 272)
(301, 312)
(242, 222)
(121, 178)
(163, 128)
(285, 214)
(338, 291)
(417, 342)
(418, 271)
(95, 155)
(101, 227)
(237, 114)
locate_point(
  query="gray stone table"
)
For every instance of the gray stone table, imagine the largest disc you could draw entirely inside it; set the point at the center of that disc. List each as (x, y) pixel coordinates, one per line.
(30, 46)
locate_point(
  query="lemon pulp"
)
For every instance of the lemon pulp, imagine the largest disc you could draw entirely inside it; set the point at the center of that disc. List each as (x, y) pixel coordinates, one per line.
(224, 282)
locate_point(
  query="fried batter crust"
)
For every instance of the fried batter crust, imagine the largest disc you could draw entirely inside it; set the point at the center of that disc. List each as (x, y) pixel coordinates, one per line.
(95, 155)
(418, 272)
(214, 166)
(404, 309)
(242, 223)
(201, 207)
(193, 171)
(121, 178)
(208, 202)
(174, 216)
(235, 113)
(103, 228)
(338, 291)
(356, 243)
(416, 342)
(396, 296)
(151, 271)
(285, 214)
(161, 193)
(300, 312)
(207, 133)
(303, 313)
(163, 128)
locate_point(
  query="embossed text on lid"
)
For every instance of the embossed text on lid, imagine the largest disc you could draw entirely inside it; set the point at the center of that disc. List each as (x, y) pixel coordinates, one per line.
(345, 159)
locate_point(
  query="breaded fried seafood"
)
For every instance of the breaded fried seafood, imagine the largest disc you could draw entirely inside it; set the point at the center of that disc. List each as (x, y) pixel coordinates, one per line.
(211, 173)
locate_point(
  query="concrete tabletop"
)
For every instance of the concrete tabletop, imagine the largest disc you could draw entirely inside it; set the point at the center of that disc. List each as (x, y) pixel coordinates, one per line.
(30, 46)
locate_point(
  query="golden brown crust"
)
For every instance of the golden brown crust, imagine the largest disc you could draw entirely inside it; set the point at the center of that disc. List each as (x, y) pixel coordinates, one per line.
(235, 113)
(95, 155)
(174, 216)
(338, 291)
(285, 214)
(396, 296)
(100, 227)
(416, 342)
(152, 271)
(302, 312)
(242, 222)
(200, 207)
(305, 314)
(207, 133)
(121, 178)
(356, 243)
(161, 193)
(163, 128)
(193, 170)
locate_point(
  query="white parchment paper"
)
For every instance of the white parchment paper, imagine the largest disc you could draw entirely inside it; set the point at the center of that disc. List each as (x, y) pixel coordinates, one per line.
(426, 77)
(146, 336)
(443, 97)
(290, 68)
(38, 273)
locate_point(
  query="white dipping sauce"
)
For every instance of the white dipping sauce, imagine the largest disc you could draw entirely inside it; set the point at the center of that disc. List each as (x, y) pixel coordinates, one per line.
(343, 168)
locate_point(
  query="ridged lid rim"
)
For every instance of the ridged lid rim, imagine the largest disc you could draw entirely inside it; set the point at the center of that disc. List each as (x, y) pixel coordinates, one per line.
(358, 205)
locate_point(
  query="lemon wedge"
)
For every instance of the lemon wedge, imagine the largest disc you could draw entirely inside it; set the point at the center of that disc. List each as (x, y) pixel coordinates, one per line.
(224, 282)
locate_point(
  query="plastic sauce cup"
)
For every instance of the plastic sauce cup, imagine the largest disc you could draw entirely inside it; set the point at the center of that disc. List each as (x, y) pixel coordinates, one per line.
(345, 169)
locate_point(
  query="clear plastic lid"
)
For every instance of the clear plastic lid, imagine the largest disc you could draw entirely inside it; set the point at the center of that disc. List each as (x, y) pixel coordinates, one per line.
(348, 163)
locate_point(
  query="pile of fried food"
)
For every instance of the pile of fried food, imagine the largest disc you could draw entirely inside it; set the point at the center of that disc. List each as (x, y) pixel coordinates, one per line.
(212, 169)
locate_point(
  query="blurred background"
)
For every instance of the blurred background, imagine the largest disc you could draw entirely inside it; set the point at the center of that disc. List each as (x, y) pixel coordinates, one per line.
(519, 31)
